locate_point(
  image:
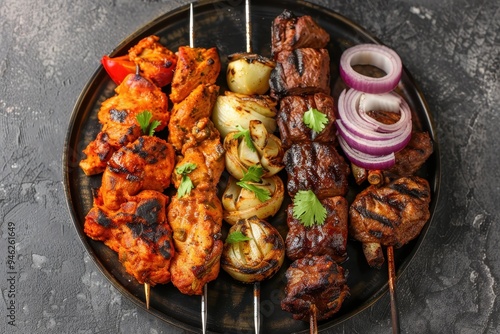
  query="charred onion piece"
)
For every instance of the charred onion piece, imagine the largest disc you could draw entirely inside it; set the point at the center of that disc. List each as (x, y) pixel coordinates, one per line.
(240, 203)
(248, 73)
(265, 152)
(256, 259)
(234, 109)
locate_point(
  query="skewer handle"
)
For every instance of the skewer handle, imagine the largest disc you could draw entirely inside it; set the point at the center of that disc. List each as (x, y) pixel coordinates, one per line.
(256, 307)
(313, 320)
(147, 296)
(204, 311)
(392, 290)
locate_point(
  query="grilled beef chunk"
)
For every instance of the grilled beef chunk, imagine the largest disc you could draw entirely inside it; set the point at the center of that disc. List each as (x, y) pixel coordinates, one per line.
(289, 32)
(412, 157)
(329, 238)
(318, 281)
(290, 119)
(317, 167)
(391, 215)
(301, 71)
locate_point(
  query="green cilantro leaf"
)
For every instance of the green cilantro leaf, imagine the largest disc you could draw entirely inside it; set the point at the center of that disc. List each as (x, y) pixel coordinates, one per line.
(186, 184)
(261, 194)
(246, 136)
(236, 237)
(253, 174)
(308, 209)
(144, 120)
(315, 120)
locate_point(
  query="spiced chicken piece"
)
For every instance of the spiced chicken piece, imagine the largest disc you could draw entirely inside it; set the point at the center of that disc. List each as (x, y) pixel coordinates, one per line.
(327, 239)
(138, 231)
(197, 105)
(289, 32)
(147, 163)
(317, 167)
(301, 71)
(391, 215)
(196, 221)
(204, 149)
(195, 66)
(118, 118)
(314, 281)
(291, 124)
(155, 61)
(412, 156)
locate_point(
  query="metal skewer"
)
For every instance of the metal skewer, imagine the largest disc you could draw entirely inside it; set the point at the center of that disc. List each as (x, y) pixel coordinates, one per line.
(392, 290)
(204, 300)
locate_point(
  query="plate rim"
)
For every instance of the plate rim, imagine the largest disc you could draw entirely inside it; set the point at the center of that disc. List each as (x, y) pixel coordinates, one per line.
(77, 116)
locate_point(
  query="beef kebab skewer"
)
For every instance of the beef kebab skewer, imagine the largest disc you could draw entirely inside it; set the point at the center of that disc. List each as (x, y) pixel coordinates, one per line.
(317, 174)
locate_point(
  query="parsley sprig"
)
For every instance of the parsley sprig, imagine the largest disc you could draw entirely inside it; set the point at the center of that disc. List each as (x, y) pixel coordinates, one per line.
(186, 184)
(250, 178)
(315, 120)
(147, 127)
(246, 136)
(237, 236)
(308, 209)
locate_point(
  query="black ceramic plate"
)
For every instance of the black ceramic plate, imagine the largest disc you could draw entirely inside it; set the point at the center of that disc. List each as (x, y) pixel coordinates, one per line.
(230, 307)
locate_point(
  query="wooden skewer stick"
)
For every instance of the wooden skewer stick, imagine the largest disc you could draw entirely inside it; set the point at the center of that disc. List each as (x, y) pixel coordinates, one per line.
(392, 290)
(313, 321)
(147, 290)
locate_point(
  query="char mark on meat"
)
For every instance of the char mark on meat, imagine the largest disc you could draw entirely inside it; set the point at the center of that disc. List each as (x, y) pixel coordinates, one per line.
(301, 71)
(318, 281)
(391, 215)
(327, 239)
(290, 119)
(317, 167)
(289, 32)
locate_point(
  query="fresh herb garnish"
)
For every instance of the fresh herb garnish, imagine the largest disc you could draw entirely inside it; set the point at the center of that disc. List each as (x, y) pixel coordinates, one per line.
(186, 184)
(308, 209)
(315, 120)
(236, 237)
(246, 136)
(253, 175)
(147, 127)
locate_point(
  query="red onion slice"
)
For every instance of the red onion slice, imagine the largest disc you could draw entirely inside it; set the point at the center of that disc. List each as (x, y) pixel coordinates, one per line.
(363, 160)
(371, 54)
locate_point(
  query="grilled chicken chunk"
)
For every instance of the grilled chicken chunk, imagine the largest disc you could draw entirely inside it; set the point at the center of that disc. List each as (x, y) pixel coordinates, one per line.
(118, 118)
(301, 71)
(391, 215)
(197, 105)
(196, 221)
(314, 281)
(327, 239)
(205, 150)
(138, 231)
(290, 119)
(289, 32)
(155, 61)
(317, 167)
(146, 163)
(195, 66)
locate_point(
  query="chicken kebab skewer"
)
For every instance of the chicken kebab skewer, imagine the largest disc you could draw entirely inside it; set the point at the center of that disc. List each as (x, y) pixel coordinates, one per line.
(317, 174)
(195, 212)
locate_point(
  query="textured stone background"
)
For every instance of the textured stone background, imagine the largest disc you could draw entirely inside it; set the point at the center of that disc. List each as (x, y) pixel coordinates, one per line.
(48, 51)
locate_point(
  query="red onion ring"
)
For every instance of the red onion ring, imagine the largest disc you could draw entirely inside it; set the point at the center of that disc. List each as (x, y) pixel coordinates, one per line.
(371, 54)
(371, 162)
(364, 137)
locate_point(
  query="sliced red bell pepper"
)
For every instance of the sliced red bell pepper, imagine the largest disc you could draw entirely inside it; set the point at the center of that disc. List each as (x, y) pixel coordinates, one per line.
(118, 67)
